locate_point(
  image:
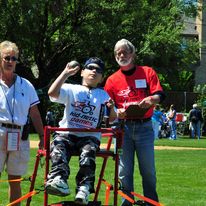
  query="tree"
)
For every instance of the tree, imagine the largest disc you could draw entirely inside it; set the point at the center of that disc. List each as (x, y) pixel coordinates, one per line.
(52, 32)
(164, 47)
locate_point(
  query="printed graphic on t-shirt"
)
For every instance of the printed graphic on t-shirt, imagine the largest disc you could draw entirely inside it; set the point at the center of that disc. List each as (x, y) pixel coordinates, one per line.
(83, 115)
(129, 92)
(131, 96)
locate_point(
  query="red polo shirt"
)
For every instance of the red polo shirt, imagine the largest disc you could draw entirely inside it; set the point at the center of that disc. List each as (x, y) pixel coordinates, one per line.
(129, 89)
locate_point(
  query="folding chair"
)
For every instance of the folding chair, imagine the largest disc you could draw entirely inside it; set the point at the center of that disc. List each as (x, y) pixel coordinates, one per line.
(115, 134)
(181, 123)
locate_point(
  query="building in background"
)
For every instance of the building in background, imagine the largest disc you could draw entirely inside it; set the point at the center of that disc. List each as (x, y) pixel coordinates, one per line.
(200, 72)
(196, 28)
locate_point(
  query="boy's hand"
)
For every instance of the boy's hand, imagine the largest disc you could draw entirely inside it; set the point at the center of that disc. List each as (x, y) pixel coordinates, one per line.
(110, 103)
(72, 68)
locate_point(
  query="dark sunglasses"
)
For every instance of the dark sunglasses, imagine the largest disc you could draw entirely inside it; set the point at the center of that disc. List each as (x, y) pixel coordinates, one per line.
(9, 58)
(91, 67)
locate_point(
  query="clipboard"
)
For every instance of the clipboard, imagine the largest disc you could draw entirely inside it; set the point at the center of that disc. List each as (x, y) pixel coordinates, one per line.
(135, 112)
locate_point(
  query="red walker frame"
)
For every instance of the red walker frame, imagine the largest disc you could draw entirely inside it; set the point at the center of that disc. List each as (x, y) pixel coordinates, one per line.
(115, 134)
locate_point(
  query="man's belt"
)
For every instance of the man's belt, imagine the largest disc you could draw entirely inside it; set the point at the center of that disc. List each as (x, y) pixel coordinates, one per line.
(11, 126)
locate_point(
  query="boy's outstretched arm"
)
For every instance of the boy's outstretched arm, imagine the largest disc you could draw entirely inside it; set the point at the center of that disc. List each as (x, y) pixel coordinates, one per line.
(70, 70)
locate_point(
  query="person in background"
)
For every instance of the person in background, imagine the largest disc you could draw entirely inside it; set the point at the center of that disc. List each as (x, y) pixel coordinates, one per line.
(164, 128)
(157, 119)
(172, 122)
(18, 102)
(196, 120)
(130, 85)
(85, 105)
(49, 118)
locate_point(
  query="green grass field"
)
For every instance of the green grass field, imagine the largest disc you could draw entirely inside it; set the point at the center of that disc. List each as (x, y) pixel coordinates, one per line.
(180, 176)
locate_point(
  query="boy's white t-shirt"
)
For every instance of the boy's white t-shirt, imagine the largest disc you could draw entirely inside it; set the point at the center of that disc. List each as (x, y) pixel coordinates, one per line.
(84, 107)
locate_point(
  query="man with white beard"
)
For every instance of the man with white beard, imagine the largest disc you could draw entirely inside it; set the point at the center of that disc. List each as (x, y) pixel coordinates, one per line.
(137, 87)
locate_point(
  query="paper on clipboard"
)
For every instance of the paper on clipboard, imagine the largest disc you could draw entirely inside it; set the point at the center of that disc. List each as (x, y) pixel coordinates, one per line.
(135, 111)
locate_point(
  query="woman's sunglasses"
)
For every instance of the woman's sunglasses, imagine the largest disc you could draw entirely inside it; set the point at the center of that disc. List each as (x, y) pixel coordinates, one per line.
(10, 58)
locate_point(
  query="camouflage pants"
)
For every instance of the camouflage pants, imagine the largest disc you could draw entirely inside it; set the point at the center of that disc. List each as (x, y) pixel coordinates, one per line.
(62, 148)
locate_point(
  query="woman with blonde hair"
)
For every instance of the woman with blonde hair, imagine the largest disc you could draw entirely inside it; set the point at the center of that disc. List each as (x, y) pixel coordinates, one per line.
(18, 102)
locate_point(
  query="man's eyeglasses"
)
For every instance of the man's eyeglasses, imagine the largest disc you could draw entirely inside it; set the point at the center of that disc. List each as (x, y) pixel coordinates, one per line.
(91, 67)
(10, 58)
(124, 52)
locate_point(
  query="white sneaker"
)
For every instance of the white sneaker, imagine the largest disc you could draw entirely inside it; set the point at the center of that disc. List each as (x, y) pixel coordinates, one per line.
(57, 186)
(82, 196)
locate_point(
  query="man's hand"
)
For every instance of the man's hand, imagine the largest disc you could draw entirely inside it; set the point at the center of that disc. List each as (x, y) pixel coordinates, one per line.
(147, 102)
(121, 113)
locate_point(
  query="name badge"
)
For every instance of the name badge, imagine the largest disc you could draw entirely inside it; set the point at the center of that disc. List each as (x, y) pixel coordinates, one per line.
(140, 83)
(12, 141)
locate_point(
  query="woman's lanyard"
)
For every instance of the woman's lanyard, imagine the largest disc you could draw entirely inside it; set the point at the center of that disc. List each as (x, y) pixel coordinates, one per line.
(11, 108)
